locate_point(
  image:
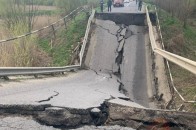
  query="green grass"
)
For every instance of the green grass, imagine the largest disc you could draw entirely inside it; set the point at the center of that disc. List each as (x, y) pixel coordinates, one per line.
(44, 44)
(42, 12)
(149, 3)
(98, 9)
(171, 28)
(67, 39)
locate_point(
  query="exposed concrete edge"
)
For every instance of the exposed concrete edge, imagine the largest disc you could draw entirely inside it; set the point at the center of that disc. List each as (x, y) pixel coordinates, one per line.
(135, 117)
(22, 109)
(127, 18)
(161, 81)
(60, 117)
(110, 113)
(25, 107)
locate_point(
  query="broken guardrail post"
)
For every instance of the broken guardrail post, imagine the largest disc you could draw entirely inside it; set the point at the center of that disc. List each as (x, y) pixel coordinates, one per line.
(65, 23)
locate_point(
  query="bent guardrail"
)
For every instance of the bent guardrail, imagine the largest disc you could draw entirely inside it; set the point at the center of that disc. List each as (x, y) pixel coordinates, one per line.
(179, 60)
(86, 37)
(168, 66)
(11, 71)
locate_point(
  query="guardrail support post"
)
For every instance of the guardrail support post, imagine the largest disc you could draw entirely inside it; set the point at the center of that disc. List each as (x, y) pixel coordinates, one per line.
(169, 104)
(160, 97)
(65, 22)
(181, 107)
(53, 30)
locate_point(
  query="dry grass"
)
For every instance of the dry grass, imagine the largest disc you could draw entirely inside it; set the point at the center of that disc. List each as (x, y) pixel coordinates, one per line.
(44, 20)
(25, 51)
(186, 85)
(41, 7)
(22, 52)
(46, 7)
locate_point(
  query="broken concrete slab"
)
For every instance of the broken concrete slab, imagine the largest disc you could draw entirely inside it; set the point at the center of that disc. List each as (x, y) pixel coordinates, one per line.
(121, 45)
(125, 103)
(120, 38)
(123, 32)
(104, 48)
(95, 110)
(128, 34)
(52, 118)
(140, 118)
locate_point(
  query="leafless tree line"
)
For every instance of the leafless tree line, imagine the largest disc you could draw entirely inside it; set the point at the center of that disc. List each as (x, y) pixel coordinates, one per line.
(17, 12)
(182, 9)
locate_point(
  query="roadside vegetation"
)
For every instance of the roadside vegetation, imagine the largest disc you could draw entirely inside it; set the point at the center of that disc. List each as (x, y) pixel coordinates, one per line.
(178, 26)
(18, 17)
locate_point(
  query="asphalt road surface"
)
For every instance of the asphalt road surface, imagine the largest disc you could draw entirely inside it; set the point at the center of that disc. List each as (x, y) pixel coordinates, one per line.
(130, 7)
(84, 89)
(135, 69)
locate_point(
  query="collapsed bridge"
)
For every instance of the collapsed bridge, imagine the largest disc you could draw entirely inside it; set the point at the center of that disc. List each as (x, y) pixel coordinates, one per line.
(113, 86)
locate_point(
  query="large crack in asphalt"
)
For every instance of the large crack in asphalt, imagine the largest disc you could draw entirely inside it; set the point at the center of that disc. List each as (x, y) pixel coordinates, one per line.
(122, 34)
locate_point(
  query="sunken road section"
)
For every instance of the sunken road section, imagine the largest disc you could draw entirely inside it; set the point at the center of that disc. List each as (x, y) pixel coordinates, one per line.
(118, 46)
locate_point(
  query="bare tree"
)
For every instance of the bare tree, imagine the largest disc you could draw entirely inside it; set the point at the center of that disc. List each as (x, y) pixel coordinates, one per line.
(17, 11)
(178, 8)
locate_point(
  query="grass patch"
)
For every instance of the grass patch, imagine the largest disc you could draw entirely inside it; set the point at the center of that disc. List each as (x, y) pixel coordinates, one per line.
(73, 34)
(98, 9)
(178, 39)
(46, 12)
(44, 45)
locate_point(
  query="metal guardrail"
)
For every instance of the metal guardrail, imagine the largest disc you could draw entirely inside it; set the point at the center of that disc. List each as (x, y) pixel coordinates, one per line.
(36, 31)
(11, 71)
(168, 66)
(86, 37)
(179, 60)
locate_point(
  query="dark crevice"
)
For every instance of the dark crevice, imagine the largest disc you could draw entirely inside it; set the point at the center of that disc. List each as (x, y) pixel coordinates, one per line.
(101, 117)
(48, 99)
(126, 99)
(121, 34)
(110, 75)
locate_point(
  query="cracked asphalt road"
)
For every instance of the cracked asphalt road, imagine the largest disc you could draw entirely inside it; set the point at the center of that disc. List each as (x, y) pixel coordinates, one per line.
(112, 53)
(84, 89)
